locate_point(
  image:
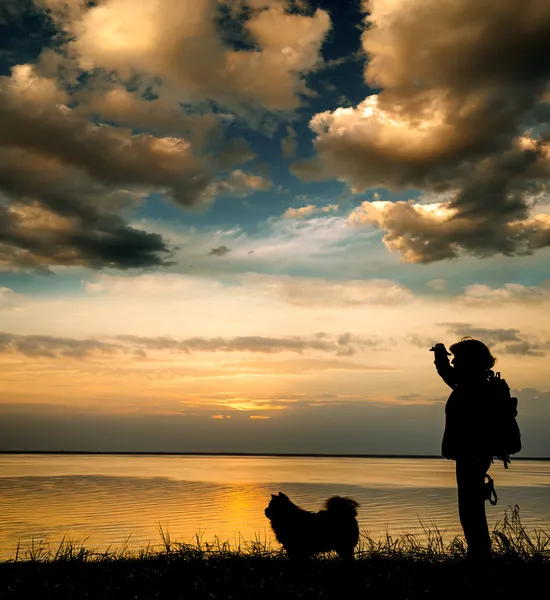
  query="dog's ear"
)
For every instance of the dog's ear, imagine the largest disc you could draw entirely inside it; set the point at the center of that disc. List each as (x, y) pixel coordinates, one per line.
(273, 496)
(283, 495)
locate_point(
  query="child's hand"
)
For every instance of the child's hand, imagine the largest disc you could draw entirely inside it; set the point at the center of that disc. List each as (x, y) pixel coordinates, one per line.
(440, 349)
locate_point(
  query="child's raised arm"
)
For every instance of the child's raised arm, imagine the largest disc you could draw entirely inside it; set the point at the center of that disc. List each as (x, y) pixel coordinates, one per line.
(444, 368)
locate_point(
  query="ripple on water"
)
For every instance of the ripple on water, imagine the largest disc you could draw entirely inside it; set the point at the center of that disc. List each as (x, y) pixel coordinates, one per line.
(71, 498)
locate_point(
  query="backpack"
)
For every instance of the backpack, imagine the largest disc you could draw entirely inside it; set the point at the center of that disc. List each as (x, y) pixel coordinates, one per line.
(503, 436)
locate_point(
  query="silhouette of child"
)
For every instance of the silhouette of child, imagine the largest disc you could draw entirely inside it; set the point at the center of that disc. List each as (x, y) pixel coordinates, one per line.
(465, 436)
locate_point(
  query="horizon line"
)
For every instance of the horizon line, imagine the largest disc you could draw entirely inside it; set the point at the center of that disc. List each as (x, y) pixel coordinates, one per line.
(251, 454)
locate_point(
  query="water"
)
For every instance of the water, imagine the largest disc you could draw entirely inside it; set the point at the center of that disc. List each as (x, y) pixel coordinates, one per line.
(112, 500)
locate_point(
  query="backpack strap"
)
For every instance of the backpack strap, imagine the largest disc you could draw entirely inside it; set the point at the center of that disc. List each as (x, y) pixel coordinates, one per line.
(489, 490)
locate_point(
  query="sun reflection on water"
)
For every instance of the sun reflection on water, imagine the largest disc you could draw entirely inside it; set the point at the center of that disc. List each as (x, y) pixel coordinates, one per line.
(109, 500)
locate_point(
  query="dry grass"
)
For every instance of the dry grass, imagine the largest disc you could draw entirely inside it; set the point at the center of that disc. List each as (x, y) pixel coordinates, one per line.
(406, 566)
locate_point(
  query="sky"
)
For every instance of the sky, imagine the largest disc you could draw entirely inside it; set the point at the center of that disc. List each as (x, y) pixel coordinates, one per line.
(239, 225)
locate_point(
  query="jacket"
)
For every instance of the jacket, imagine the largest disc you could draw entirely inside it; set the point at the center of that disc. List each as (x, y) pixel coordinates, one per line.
(467, 413)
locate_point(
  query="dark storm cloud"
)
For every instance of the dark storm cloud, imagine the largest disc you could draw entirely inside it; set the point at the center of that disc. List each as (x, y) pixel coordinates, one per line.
(114, 245)
(81, 175)
(65, 181)
(461, 93)
(58, 216)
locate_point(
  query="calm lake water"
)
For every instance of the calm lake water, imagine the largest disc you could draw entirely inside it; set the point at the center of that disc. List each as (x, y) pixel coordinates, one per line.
(110, 500)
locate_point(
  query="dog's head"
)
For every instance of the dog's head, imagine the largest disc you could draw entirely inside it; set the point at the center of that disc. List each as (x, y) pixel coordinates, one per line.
(277, 505)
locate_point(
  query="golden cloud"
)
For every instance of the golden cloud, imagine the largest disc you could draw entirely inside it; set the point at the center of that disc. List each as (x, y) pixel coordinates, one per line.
(448, 118)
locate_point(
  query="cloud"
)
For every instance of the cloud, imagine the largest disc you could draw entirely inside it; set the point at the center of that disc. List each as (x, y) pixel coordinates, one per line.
(322, 245)
(34, 238)
(289, 144)
(506, 341)
(306, 366)
(356, 426)
(311, 291)
(9, 299)
(236, 151)
(66, 181)
(358, 55)
(81, 175)
(453, 116)
(239, 184)
(526, 348)
(219, 251)
(53, 347)
(35, 118)
(422, 341)
(509, 293)
(74, 223)
(162, 116)
(146, 285)
(181, 47)
(425, 233)
(329, 208)
(345, 344)
(292, 213)
(309, 209)
(493, 335)
(501, 340)
(299, 291)
(281, 405)
(439, 285)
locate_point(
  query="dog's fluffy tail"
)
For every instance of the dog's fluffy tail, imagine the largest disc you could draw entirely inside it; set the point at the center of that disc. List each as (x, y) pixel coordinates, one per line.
(345, 507)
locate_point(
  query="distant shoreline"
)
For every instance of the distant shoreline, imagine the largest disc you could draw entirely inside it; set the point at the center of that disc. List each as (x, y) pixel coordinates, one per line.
(241, 454)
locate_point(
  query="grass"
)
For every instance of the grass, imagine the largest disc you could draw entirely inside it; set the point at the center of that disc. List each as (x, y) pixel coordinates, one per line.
(405, 566)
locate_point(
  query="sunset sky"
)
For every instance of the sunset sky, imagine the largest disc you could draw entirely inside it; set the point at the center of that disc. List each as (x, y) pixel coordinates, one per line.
(239, 225)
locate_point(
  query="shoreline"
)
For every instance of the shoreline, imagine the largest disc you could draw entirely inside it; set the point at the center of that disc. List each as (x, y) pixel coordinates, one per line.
(241, 454)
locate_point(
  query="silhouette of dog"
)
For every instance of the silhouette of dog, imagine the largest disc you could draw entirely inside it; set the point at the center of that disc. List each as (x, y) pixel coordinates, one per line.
(303, 533)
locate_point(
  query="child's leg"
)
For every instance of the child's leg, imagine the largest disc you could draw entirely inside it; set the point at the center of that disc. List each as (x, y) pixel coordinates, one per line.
(470, 476)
